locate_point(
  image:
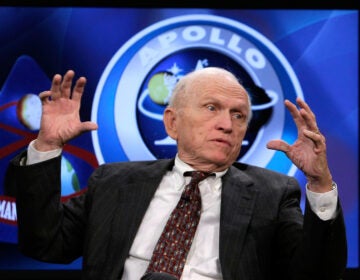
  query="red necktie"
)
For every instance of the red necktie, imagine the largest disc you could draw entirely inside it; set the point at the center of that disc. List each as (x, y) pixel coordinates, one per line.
(175, 241)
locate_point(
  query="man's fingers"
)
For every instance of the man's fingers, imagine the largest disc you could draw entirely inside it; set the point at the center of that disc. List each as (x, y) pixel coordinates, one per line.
(307, 115)
(302, 104)
(79, 88)
(88, 126)
(294, 113)
(303, 116)
(66, 84)
(62, 86)
(44, 96)
(56, 86)
(317, 138)
(278, 145)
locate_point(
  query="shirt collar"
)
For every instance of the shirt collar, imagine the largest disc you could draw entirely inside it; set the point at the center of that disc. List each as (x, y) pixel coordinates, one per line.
(180, 167)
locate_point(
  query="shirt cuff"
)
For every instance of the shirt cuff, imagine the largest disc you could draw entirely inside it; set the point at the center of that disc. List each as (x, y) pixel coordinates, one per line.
(323, 204)
(35, 156)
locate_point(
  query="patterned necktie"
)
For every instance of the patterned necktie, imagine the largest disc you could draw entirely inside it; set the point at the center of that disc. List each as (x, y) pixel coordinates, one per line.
(170, 252)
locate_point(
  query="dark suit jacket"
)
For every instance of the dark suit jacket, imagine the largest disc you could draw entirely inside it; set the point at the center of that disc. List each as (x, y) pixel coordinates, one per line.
(263, 234)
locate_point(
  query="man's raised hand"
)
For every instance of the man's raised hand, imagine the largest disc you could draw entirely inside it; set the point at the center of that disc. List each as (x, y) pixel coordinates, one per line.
(60, 119)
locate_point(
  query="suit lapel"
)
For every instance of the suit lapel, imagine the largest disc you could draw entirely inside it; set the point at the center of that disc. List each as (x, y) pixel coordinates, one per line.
(134, 200)
(238, 200)
(237, 204)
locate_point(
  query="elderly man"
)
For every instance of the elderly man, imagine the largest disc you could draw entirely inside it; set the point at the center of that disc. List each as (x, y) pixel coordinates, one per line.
(146, 220)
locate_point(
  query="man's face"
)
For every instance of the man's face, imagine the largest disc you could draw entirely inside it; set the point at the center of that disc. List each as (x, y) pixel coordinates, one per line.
(210, 128)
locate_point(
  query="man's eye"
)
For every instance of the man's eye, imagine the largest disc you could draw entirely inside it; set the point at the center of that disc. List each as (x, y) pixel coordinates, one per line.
(237, 116)
(210, 107)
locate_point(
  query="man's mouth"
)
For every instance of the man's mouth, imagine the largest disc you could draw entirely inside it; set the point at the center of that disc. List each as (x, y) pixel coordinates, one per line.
(222, 141)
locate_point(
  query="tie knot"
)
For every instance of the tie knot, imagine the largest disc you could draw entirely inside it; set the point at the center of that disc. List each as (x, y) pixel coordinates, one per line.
(197, 176)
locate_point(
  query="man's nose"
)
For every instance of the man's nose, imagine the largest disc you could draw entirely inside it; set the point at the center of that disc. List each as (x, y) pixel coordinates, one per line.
(224, 122)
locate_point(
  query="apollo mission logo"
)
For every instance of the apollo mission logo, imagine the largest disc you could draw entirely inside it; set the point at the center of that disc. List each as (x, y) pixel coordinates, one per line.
(136, 85)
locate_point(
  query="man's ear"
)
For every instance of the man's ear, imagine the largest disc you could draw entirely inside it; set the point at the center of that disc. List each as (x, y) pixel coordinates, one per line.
(170, 122)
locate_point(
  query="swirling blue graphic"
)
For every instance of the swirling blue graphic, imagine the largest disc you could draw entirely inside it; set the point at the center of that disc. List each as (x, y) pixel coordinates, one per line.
(132, 58)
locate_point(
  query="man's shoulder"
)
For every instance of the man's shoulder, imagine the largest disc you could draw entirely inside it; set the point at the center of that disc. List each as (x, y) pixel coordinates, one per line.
(263, 178)
(253, 170)
(144, 166)
(139, 163)
(111, 174)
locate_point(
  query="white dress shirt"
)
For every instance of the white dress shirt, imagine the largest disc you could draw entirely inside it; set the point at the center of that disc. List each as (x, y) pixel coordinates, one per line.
(202, 262)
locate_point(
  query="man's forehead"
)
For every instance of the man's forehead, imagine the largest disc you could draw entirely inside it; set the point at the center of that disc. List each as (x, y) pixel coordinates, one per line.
(221, 86)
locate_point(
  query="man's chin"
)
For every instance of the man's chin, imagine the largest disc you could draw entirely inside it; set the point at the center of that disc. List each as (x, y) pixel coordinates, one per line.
(221, 161)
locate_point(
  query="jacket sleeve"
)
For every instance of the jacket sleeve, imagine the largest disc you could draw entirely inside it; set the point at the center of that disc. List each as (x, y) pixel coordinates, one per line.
(325, 245)
(321, 249)
(48, 230)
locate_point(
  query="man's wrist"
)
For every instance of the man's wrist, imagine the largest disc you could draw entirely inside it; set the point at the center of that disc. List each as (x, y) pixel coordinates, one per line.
(35, 156)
